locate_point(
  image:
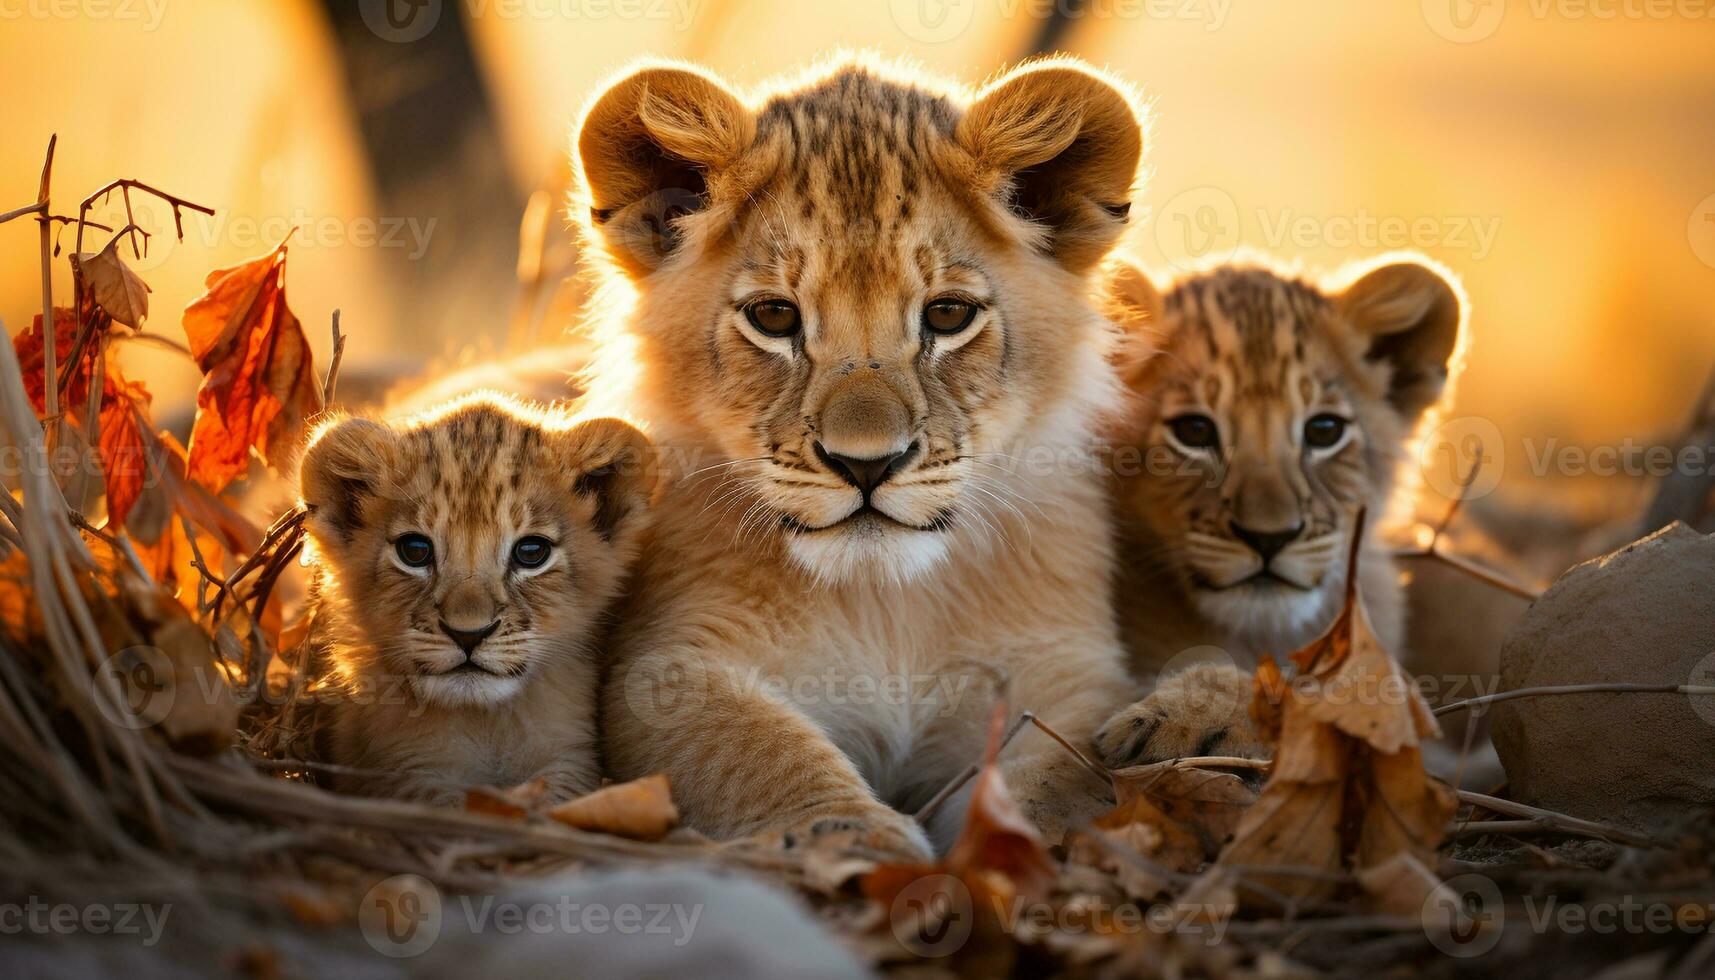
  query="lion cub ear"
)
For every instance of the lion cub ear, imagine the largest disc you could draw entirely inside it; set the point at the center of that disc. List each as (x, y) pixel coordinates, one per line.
(1060, 146)
(345, 467)
(1133, 303)
(615, 464)
(648, 148)
(1411, 316)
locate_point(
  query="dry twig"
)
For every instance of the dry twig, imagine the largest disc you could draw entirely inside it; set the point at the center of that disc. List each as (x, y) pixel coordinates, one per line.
(1431, 550)
(1541, 819)
(333, 363)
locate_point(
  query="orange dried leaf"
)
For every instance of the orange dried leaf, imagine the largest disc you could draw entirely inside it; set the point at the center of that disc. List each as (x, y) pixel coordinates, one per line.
(1297, 820)
(259, 385)
(513, 802)
(1348, 789)
(998, 857)
(121, 293)
(997, 836)
(1268, 697)
(1208, 803)
(1138, 825)
(124, 406)
(122, 445)
(641, 810)
(17, 605)
(29, 348)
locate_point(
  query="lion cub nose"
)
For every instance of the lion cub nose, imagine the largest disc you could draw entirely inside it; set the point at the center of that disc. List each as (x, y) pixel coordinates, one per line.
(468, 640)
(866, 474)
(1266, 543)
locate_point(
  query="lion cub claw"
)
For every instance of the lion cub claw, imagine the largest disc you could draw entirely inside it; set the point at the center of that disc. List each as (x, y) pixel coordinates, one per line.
(1201, 710)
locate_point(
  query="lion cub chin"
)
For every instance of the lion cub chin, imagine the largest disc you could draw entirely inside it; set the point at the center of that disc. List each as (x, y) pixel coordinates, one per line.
(1267, 412)
(466, 562)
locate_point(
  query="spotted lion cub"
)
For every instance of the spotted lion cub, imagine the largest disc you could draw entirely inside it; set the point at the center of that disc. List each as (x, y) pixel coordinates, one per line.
(467, 560)
(1270, 411)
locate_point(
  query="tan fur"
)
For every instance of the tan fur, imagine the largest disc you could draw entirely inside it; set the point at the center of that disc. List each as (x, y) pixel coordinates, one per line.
(475, 477)
(792, 664)
(1260, 353)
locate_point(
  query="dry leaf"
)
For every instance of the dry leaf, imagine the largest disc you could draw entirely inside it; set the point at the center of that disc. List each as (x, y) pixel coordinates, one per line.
(641, 810)
(1402, 886)
(513, 802)
(18, 610)
(999, 839)
(258, 385)
(124, 406)
(1175, 817)
(165, 669)
(314, 906)
(121, 293)
(1138, 826)
(1209, 803)
(1348, 789)
(1270, 694)
(1296, 820)
(998, 859)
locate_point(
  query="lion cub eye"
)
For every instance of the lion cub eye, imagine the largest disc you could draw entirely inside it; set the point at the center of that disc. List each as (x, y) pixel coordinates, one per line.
(1324, 430)
(415, 550)
(949, 316)
(774, 317)
(1195, 431)
(532, 552)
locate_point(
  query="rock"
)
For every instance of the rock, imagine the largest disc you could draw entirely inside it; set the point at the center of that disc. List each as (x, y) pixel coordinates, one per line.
(1646, 615)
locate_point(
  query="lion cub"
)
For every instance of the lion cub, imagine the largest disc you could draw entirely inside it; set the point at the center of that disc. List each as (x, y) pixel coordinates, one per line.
(467, 559)
(1269, 411)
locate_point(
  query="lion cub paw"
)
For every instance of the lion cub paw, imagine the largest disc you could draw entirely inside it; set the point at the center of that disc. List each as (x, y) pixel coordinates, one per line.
(885, 834)
(1201, 710)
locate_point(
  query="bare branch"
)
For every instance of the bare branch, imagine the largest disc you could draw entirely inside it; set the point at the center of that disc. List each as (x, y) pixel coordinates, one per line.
(1564, 823)
(333, 362)
(1432, 549)
(1551, 690)
(125, 187)
(946, 792)
(50, 343)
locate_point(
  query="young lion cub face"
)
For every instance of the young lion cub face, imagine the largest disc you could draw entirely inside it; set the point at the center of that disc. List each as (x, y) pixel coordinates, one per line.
(863, 291)
(1273, 412)
(467, 550)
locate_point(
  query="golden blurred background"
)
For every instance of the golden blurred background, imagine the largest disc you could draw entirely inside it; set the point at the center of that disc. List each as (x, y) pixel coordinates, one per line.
(1558, 154)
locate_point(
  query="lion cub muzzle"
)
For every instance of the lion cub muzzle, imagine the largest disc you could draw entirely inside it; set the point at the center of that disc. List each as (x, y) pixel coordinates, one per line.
(469, 615)
(865, 432)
